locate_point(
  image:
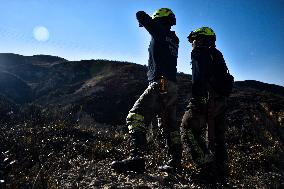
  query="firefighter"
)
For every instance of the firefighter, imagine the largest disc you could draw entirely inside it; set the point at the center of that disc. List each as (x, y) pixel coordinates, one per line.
(160, 96)
(204, 120)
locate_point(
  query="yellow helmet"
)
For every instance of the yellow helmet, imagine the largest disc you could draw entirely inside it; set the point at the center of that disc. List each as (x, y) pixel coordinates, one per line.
(201, 32)
(162, 12)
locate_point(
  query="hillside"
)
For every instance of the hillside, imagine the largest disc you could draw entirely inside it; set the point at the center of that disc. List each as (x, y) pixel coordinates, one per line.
(83, 84)
(62, 123)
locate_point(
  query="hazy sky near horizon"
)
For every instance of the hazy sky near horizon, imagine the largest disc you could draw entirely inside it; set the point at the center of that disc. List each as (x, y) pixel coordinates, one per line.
(250, 33)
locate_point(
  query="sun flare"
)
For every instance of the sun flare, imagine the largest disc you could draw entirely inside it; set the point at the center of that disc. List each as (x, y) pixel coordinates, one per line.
(41, 33)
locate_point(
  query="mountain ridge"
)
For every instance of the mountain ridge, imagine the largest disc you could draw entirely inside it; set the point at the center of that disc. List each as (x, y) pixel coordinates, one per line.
(71, 126)
(88, 81)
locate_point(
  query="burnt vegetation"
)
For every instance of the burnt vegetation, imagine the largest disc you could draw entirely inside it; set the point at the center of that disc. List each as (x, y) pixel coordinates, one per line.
(62, 124)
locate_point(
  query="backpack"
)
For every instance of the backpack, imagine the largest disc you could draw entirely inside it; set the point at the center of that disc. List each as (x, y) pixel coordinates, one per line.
(221, 80)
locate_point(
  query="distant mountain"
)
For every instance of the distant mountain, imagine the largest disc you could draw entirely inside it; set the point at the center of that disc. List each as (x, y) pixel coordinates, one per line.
(28, 68)
(96, 87)
(260, 86)
(15, 61)
(15, 88)
(65, 121)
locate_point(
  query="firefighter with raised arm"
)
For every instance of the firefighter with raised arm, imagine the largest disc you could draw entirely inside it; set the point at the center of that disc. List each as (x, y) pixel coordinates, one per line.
(159, 98)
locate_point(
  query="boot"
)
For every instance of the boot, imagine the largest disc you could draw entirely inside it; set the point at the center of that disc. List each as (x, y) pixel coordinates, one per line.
(174, 150)
(174, 165)
(221, 159)
(171, 167)
(222, 172)
(133, 164)
(137, 143)
(205, 174)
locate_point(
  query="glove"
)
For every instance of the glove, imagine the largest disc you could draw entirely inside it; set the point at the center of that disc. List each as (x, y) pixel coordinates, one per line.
(139, 15)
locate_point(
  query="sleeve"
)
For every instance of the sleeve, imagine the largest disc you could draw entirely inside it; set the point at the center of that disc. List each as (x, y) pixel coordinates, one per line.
(201, 60)
(149, 24)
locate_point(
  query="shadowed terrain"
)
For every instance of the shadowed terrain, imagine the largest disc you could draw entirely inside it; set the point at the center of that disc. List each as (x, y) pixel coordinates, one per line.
(62, 124)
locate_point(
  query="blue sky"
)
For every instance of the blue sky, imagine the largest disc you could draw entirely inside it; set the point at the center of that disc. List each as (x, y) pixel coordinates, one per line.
(250, 33)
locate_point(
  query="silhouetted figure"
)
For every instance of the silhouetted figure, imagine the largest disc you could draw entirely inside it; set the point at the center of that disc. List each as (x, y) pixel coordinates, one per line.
(204, 120)
(160, 96)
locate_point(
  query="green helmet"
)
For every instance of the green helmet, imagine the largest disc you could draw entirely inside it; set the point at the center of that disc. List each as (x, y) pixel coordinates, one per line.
(165, 14)
(201, 32)
(162, 12)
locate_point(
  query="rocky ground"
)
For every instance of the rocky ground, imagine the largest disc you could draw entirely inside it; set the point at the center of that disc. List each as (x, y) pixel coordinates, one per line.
(41, 152)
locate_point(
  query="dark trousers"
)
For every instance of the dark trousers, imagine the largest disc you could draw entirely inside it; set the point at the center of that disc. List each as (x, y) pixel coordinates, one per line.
(150, 104)
(204, 129)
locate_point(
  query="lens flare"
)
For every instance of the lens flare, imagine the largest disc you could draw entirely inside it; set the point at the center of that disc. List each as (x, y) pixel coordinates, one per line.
(41, 33)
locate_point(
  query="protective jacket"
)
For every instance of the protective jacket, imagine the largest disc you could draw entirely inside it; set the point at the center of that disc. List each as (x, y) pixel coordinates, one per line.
(202, 65)
(163, 49)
